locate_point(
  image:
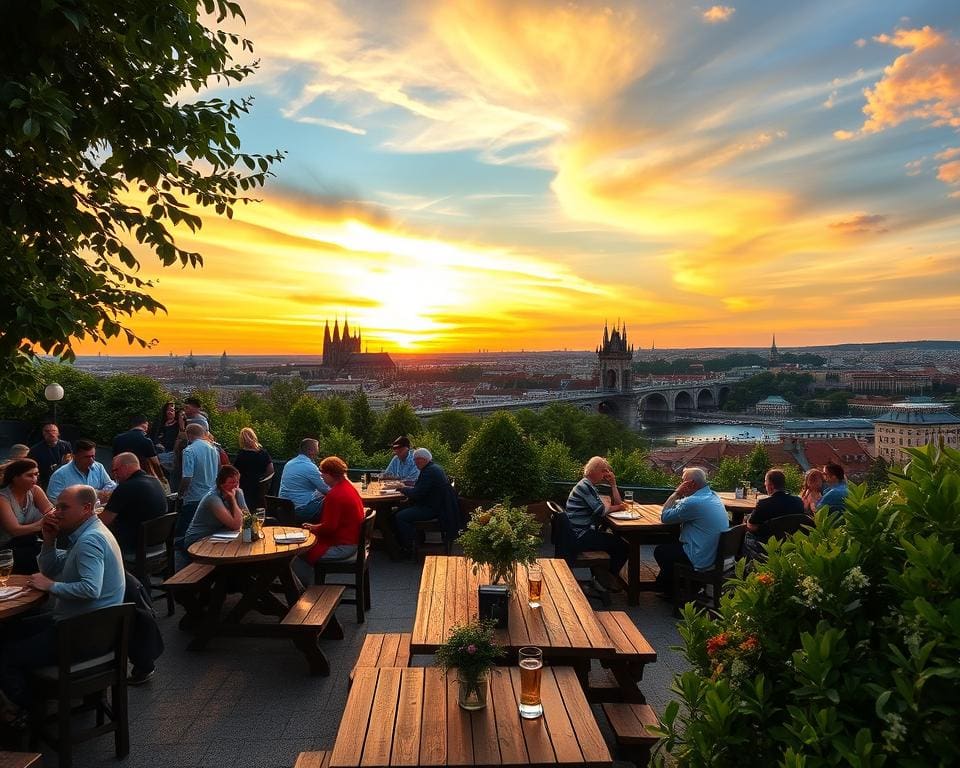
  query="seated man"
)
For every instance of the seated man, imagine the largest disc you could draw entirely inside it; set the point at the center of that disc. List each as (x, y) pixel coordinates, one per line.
(586, 512)
(777, 504)
(432, 497)
(85, 577)
(702, 517)
(835, 491)
(84, 469)
(302, 484)
(138, 497)
(51, 453)
(402, 465)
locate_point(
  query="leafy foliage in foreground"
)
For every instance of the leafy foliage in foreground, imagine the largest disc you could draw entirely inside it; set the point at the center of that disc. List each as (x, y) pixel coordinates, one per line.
(844, 649)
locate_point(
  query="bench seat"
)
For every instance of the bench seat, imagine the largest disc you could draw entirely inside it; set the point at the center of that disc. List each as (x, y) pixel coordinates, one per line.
(312, 617)
(312, 760)
(383, 650)
(190, 587)
(630, 724)
(632, 653)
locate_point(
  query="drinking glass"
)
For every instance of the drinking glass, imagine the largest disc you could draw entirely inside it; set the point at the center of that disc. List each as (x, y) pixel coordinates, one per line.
(6, 565)
(535, 581)
(259, 519)
(531, 668)
(628, 497)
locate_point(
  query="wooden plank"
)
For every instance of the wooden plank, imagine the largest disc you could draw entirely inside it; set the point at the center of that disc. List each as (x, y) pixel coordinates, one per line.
(641, 648)
(486, 750)
(388, 651)
(459, 729)
(433, 722)
(450, 596)
(424, 598)
(474, 580)
(581, 605)
(301, 608)
(406, 740)
(513, 749)
(348, 745)
(403, 652)
(383, 717)
(369, 655)
(304, 760)
(535, 734)
(570, 619)
(519, 610)
(592, 745)
(552, 623)
(436, 633)
(460, 594)
(630, 722)
(563, 737)
(610, 625)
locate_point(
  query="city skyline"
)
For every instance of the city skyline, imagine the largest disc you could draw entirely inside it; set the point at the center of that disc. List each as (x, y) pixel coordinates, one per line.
(507, 175)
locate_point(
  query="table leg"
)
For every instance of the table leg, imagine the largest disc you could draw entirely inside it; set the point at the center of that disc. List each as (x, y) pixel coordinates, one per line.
(209, 623)
(633, 571)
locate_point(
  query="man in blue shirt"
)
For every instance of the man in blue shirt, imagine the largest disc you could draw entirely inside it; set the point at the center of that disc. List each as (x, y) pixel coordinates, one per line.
(835, 497)
(402, 466)
(302, 484)
(201, 462)
(50, 453)
(702, 517)
(83, 470)
(87, 576)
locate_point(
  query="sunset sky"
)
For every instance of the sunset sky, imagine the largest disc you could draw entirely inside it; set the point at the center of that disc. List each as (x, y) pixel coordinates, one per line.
(509, 174)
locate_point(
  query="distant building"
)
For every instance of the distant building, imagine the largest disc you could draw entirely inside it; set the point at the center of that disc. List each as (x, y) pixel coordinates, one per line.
(913, 423)
(615, 358)
(773, 359)
(899, 382)
(860, 429)
(774, 405)
(342, 358)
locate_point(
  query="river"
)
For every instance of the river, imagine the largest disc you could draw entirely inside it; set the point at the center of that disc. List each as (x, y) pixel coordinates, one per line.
(667, 434)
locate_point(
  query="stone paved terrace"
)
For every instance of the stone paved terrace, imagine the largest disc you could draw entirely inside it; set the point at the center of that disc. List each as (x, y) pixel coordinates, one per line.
(249, 703)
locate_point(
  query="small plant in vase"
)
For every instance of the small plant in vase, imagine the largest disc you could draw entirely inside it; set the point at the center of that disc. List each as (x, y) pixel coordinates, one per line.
(501, 538)
(470, 650)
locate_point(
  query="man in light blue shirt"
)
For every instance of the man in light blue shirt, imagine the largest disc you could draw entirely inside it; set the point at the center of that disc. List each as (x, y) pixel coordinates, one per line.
(402, 465)
(87, 576)
(201, 462)
(702, 517)
(302, 484)
(84, 469)
(835, 497)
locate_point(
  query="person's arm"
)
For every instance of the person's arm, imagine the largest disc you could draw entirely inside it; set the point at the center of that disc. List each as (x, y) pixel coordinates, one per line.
(616, 502)
(228, 513)
(41, 501)
(109, 513)
(9, 522)
(673, 511)
(330, 518)
(316, 480)
(392, 472)
(186, 472)
(50, 558)
(424, 486)
(268, 470)
(58, 482)
(89, 558)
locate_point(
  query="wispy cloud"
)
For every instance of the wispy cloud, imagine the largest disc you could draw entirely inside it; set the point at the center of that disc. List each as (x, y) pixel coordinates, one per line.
(717, 14)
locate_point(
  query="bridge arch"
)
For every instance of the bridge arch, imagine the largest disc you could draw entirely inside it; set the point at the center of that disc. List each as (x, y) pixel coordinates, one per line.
(683, 401)
(722, 394)
(609, 408)
(706, 400)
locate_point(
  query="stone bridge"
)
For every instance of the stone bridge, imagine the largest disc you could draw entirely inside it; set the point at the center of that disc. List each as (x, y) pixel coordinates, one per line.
(648, 402)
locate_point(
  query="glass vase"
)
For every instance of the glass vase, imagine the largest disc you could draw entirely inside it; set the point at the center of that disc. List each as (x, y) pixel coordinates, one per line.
(506, 575)
(472, 693)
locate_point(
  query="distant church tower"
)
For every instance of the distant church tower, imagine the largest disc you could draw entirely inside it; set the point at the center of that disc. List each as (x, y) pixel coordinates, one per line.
(615, 358)
(773, 360)
(337, 349)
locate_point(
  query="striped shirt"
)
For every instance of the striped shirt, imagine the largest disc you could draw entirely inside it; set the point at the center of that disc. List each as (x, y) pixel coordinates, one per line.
(585, 508)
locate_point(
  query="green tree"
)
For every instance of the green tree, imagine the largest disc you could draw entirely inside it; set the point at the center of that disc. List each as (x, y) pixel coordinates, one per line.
(282, 396)
(229, 425)
(758, 462)
(80, 391)
(337, 412)
(337, 441)
(555, 463)
(434, 442)
(499, 462)
(122, 396)
(399, 420)
(271, 438)
(877, 476)
(634, 468)
(453, 426)
(101, 148)
(794, 477)
(363, 421)
(305, 419)
(729, 474)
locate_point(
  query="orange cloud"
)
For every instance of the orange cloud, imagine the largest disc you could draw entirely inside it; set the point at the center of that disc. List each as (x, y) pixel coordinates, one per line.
(718, 13)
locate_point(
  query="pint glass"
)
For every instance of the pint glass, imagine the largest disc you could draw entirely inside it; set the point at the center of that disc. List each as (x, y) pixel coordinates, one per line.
(531, 668)
(535, 581)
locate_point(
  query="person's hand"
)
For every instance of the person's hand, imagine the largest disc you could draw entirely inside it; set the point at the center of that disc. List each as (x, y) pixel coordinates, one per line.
(50, 529)
(311, 527)
(685, 488)
(39, 581)
(104, 496)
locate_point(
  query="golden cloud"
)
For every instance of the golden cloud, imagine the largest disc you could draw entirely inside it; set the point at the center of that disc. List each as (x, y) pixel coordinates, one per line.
(716, 14)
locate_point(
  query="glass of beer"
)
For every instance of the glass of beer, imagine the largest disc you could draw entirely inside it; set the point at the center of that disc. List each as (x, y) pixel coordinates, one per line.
(628, 497)
(531, 668)
(535, 582)
(6, 565)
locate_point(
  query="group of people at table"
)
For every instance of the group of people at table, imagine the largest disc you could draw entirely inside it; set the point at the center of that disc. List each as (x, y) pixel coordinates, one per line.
(699, 512)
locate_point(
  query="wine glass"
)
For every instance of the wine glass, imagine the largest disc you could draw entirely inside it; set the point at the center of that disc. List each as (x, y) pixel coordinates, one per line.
(6, 565)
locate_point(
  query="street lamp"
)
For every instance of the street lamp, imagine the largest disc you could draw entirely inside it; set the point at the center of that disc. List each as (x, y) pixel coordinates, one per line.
(53, 393)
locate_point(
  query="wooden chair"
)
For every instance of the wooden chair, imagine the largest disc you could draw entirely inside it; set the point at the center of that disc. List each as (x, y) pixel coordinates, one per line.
(263, 488)
(358, 565)
(91, 657)
(561, 536)
(689, 585)
(154, 555)
(785, 525)
(428, 538)
(282, 510)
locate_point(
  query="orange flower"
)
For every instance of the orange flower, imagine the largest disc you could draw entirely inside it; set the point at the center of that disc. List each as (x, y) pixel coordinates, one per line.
(750, 644)
(717, 643)
(765, 578)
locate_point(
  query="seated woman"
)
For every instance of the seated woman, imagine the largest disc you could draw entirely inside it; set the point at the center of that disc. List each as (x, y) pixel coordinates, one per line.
(339, 528)
(220, 510)
(812, 491)
(22, 507)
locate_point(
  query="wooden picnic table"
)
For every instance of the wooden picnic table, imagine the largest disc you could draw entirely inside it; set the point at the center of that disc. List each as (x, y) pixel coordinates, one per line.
(28, 598)
(410, 716)
(643, 530)
(380, 497)
(564, 625)
(249, 568)
(738, 508)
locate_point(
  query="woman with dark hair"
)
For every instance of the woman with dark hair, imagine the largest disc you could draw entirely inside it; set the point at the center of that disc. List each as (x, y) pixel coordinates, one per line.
(22, 507)
(339, 527)
(220, 510)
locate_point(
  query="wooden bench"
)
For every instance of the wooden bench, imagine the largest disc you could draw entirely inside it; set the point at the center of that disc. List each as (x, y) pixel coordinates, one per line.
(630, 724)
(20, 760)
(190, 587)
(312, 617)
(312, 760)
(625, 669)
(383, 650)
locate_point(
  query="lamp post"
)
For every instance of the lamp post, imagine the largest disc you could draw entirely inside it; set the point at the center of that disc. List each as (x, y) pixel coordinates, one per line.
(53, 393)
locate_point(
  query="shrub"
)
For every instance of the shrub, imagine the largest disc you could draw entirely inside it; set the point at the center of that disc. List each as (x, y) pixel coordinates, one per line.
(399, 420)
(555, 464)
(454, 427)
(633, 468)
(438, 448)
(497, 462)
(336, 441)
(843, 648)
(304, 420)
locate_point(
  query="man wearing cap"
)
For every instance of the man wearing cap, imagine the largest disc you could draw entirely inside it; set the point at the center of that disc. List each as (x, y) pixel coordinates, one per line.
(402, 465)
(432, 498)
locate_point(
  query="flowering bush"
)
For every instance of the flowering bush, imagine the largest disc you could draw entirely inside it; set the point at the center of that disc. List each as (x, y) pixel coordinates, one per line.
(470, 649)
(502, 537)
(843, 648)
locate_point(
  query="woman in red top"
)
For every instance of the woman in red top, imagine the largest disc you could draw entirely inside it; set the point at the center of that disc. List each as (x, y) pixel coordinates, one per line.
(339, 527)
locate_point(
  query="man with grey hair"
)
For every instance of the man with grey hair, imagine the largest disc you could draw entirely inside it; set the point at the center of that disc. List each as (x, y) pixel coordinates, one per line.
(302, 484)
(87, 576)
(201, 462)
(586, 512)
(432, 497)
(702, 519)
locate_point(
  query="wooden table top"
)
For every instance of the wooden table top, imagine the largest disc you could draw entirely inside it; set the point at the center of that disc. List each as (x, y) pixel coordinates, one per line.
(373, 494)
(731, 502)
(648, 522)
(565, 623)
(26, 600)
(213, 552)
(411, 717)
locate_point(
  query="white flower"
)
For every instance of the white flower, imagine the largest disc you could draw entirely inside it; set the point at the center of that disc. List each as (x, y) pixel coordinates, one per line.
(812, 591)
(855, 579)
(894, 732)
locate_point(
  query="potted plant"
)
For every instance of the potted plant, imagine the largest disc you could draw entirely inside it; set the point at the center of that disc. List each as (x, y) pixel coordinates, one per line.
(501, 538)
(470, 650)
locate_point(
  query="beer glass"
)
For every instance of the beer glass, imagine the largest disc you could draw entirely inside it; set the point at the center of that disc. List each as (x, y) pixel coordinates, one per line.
(531, 668)
(535, 582)
(628, 497)
(6, 565)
